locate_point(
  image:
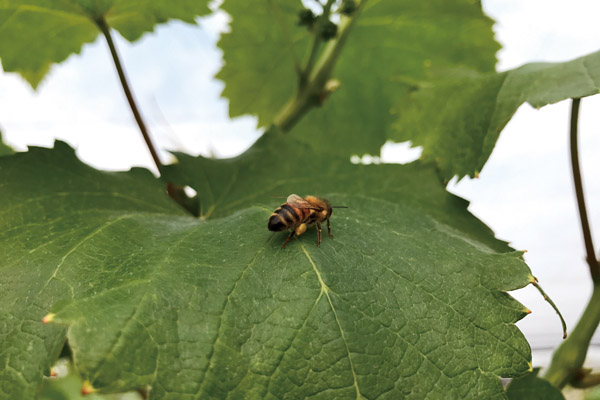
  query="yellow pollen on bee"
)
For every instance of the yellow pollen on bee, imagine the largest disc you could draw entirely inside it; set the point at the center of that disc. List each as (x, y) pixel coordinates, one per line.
(300, 229)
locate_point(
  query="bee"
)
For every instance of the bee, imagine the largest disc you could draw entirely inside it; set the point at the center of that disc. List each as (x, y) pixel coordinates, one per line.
(298, 213)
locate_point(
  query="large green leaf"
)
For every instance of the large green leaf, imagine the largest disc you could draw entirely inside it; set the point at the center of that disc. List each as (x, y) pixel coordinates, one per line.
(402, 303)
(458, 122)
(54, 207)
(393, 45)
(37, 33)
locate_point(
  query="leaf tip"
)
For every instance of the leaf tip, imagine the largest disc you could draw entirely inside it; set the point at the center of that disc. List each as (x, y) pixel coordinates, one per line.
(476, 174)
(48, 318)
(53, 373)
(527, 311)
(529, 363)
(87, 388)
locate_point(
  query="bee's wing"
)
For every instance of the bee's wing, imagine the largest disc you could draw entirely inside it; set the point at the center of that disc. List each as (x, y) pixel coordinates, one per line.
(300, 202)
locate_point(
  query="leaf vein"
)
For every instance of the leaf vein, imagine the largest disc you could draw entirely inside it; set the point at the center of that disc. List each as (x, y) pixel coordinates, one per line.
(220, 325)
(587, 72)
(268, 388)
(325, 289)
(471, 322)
(74, 248)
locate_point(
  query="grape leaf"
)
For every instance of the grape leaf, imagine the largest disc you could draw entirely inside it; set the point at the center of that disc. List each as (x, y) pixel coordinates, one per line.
(51, 201)
(277, 166)
(531, 387)
(400, 304)
(37, 33)
(458, 122)
(393, 45)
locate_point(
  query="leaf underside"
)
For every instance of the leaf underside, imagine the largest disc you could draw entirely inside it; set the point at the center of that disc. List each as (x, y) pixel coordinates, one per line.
(393, 45)
(403, 303)
(34, 34)
(458, 121)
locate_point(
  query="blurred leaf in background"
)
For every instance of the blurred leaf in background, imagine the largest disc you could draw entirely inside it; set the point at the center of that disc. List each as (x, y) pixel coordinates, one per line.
(39, 33)
(4, 148)
(458, 121)
(394, 46)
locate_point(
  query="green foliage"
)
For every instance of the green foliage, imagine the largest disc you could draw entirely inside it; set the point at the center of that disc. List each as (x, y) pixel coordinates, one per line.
(531, 387)
(38, 33)
(458, 122)
(277, 166)
(148, 296)
(42, 194)
(4, 149)
(393, 44)
(408, 301)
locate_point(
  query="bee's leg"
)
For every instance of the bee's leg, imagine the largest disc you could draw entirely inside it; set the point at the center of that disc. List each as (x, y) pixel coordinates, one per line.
(329, 228)
(318, 234)
(299, 230)
(290, 236)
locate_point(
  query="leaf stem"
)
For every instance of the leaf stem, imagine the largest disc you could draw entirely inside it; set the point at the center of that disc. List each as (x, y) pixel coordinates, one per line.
(316, 43)
(105, 29)
(570, 355)
(585, 226)
(310, 93)
(549, 300)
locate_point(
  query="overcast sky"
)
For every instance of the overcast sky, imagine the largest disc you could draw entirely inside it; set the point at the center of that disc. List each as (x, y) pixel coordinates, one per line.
(524, 192)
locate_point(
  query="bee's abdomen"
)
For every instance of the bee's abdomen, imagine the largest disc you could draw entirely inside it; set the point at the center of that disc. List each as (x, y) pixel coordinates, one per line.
(283, 218)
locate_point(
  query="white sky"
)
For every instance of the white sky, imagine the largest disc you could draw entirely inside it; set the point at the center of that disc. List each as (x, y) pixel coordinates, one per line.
(524, 193)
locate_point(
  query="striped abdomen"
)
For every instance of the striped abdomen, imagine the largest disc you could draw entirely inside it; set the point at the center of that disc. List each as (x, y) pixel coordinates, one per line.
(286, 216)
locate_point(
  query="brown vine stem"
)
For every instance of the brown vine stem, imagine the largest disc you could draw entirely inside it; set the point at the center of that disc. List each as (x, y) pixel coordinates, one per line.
(585, 225)
(105, 29)
(585, 379)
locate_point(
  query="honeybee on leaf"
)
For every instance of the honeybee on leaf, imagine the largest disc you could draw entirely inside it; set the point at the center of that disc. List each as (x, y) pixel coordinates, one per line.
(298, 213)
